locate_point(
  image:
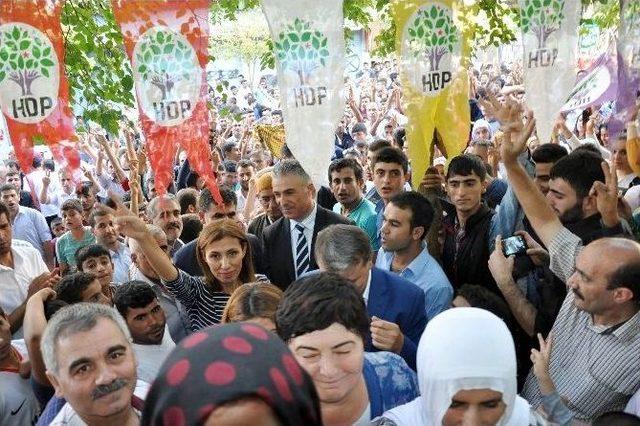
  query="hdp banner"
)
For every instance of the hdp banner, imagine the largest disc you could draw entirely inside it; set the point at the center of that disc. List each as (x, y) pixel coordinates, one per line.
(628, 64)
(308, 42)
(550, 39)
(167, 43)
(433, 56)
(597, 86)
(34, 93)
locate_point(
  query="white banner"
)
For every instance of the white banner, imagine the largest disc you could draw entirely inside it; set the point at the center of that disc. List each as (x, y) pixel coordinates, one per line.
(550, 41)
(308, 41)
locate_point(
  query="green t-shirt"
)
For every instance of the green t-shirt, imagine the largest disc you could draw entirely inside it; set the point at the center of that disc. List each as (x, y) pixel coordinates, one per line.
(365, 217)
(66, 247)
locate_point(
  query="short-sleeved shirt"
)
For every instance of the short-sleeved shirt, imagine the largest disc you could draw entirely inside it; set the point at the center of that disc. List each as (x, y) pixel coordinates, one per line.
(365, 216)
(18, 404)
(31, 226)
(14, 282)
(66, 247)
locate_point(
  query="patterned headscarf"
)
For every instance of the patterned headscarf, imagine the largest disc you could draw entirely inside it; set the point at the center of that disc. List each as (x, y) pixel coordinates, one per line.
(226, 363)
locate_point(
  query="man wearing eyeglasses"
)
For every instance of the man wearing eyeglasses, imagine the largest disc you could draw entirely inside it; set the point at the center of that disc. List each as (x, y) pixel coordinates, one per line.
(185, 258)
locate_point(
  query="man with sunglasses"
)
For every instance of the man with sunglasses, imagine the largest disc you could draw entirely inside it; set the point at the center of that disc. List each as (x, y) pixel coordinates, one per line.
(185, 258)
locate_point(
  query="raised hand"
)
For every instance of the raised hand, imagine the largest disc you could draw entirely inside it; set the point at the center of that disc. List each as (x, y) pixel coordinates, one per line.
(128, 223)
(607, 195)
(541, 359)
(515, 141)
(43, 281)
(539, 256)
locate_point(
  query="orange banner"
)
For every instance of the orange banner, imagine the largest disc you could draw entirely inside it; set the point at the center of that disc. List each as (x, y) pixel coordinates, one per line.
(34, 93)
(167, 43)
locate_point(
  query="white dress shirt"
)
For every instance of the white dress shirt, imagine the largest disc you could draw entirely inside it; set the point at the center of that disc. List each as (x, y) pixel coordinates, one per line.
(309, 223)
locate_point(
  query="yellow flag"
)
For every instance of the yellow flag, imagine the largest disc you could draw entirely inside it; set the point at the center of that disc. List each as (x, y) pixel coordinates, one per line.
(434, 55)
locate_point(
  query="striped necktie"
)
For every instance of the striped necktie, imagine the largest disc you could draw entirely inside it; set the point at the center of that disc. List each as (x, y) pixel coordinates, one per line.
(302, 252)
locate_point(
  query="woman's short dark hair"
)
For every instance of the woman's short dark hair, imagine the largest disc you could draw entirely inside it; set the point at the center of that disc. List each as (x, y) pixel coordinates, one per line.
(316, 302)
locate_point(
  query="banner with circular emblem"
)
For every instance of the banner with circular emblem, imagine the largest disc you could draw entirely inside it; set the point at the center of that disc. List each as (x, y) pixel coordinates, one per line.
(33, 86)
(167, 43)
(434, 54)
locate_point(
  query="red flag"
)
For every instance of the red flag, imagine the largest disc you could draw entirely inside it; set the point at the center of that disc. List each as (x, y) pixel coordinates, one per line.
(34, 94)
(167, 43)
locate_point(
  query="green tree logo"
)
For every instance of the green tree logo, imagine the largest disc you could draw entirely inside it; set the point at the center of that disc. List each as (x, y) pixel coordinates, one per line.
(432, 34)
(301, 49)
(163, 59)
(541, 18)
(25, 56)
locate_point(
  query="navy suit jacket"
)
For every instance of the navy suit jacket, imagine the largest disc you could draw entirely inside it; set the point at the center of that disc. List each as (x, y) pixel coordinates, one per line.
(397, 300)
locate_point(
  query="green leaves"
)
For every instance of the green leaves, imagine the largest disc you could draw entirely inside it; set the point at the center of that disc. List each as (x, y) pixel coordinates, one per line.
(15, 33)
(46, 62)
(24, 44)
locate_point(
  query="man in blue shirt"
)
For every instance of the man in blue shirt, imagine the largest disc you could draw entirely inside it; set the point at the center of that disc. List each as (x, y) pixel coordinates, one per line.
(395, 305)
(406, 221)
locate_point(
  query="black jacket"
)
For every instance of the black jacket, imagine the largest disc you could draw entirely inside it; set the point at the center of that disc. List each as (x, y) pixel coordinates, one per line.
(276, 245)
(468, 264)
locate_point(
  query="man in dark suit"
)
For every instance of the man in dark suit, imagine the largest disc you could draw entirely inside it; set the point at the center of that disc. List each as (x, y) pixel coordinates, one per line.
(288, 243)
(396, 306)
(185, 258)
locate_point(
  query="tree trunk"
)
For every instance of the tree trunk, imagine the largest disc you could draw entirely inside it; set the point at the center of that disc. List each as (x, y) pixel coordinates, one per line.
(432, 59)
(300, 74)
(440, 52)
(29, 78)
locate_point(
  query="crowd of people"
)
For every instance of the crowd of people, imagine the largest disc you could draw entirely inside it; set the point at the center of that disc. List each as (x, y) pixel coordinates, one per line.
(504, 289)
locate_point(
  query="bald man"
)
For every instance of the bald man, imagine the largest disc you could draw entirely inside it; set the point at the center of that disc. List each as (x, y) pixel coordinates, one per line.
(594, 356)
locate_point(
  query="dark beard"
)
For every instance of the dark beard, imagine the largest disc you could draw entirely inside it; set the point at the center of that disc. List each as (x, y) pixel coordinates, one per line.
(573, 215)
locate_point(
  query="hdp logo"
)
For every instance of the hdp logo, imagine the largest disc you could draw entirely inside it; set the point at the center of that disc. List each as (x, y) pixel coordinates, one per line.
(29, 73)
(540, 19)
(302, 50)
(168, 76)
(431, 37)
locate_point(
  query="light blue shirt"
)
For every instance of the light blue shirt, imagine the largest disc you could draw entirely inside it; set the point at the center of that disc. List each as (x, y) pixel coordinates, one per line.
(425, 272)
(31, 226)
(308, 223)
(121, 263)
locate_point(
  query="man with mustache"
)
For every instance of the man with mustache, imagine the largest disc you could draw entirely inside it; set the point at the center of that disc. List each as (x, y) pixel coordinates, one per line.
(107, 236)
(90, 362)
(137, 303)
(593, 362)
(347, 181)
(165, 212)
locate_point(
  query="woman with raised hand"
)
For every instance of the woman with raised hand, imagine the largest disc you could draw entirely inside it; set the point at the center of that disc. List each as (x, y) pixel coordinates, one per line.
(224, 255)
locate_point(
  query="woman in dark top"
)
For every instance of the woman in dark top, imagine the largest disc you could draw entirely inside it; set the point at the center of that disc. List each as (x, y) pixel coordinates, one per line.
(224, 255)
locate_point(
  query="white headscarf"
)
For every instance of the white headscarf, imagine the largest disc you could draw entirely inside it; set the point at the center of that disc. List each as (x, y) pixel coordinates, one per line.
(480, 124)
(463, 349)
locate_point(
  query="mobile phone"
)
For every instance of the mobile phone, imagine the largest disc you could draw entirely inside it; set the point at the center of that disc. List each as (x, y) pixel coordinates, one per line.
(514, 246)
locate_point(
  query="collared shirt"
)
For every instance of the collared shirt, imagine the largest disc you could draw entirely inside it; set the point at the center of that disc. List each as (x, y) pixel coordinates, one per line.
(594, 367)
(14, 282)
(308, 223)
(425, 272)
(31, 226)
(173, 248)
(365, 293)
(365, 216)
(121, 259)
(174, 311)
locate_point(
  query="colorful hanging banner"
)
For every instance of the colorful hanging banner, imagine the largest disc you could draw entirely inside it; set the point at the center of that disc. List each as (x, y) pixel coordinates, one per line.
(628, 64)
(550, 39)
(308, 41)
(433, 57)
(34, 94)
(167, 43)
(598, 85)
